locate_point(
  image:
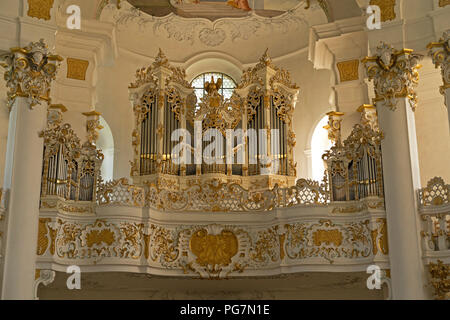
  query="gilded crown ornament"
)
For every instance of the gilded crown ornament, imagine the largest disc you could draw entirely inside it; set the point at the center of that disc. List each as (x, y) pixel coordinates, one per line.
(395, 74)
(29, 72)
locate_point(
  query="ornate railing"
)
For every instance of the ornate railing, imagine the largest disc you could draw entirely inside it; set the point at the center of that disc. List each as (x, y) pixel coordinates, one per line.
(211, 196)
(120, 192)
(436, 193)
(434, 210)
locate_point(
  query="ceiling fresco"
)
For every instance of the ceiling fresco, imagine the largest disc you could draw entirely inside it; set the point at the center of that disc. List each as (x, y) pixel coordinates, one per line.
(216, 9)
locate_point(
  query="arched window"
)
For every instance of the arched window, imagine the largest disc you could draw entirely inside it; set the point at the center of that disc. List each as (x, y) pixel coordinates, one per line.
(228, 84)
(105, 142)
(319, 144)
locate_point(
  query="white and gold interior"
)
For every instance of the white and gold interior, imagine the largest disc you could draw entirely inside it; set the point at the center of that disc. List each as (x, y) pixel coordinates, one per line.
(357, 176)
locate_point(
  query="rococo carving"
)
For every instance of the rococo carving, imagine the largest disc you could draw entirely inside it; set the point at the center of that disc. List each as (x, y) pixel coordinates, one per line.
(395, 74)
(440, 279)
(348, 70)
(29, 72)
(213, 250)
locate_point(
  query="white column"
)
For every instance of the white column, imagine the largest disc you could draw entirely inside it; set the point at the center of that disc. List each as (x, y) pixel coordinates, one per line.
(24, 163)
(401, 179)
(308, 163)
(395, 105)
(23, 179)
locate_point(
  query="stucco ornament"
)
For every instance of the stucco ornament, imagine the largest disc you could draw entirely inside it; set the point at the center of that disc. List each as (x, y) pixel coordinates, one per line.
(212, 37)
(395, 74)
(29, 72)
(206, 32)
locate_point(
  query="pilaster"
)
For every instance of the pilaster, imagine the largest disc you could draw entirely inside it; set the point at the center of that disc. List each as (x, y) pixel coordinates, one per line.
(29, 73)
(395, 78)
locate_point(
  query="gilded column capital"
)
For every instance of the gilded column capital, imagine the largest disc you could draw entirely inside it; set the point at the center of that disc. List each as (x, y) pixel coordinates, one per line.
(92, 126)
(395, 74)
(334, 126)
(29, 72)
(369, 116)
(440, 54)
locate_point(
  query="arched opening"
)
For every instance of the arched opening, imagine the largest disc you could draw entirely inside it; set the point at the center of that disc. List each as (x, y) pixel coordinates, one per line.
(105, 142)
(319, 144)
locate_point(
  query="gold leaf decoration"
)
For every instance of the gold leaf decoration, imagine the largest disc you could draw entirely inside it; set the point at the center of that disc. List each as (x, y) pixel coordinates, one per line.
(440, 280)
(387, 9)
(40, 9)
(348, 70)
(76, 68)
(327, 237)
(42, 236)
(215, 250)
(100, 236)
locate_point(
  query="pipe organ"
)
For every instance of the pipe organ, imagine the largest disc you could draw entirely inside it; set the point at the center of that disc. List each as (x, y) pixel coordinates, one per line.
(70, 170)
(354, 167)
(245, 138)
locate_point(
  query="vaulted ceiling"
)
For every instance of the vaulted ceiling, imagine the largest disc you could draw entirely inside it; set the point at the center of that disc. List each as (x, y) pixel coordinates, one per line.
(143, 25)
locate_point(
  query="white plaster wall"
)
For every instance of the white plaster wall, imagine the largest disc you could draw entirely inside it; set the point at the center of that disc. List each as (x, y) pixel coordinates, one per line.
(433, 138)
(113, 103)
(312, 104)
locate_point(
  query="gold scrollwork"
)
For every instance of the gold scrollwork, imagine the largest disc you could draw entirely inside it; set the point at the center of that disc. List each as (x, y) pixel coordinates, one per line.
(29, 72)
(395, 74)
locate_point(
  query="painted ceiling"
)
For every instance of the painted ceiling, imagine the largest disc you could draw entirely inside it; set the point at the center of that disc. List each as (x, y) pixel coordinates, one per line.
(215, 9)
